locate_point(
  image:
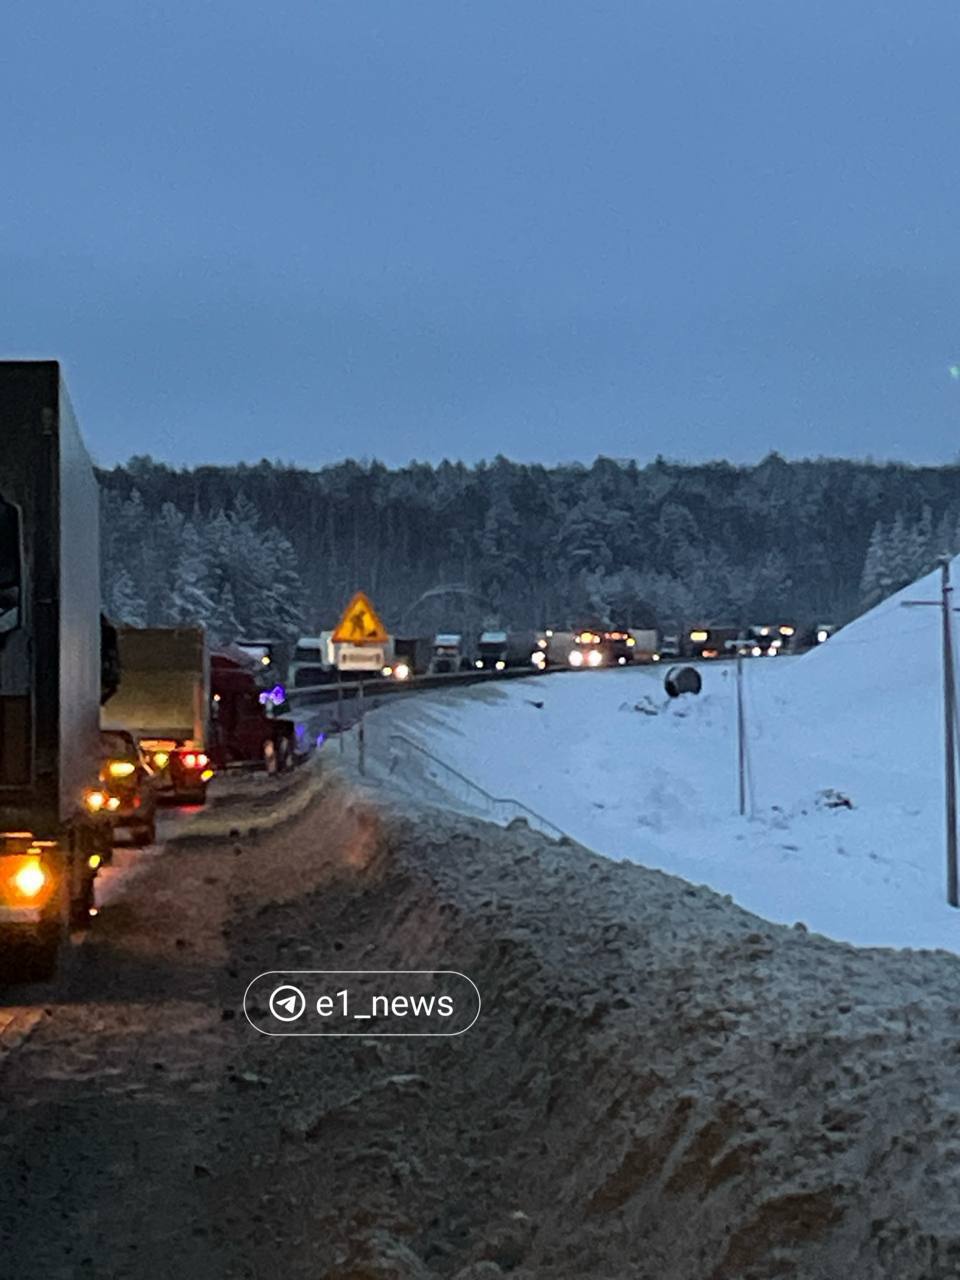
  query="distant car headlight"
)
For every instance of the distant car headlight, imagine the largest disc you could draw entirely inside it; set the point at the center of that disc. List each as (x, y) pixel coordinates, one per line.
(478, 663)
(401, 671)
(121, 768)
(539, 659)
(161, 759)
(576, 658)
(594, 658)
(500, 665)
(94, 800)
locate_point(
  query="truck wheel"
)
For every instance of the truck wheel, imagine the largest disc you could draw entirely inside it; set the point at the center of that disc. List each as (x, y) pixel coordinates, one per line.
(80, 907)
(147, 834)
(36, 960)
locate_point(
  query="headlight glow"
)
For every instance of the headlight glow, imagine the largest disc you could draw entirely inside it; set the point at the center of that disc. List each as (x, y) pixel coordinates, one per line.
(121, 768)
(500, 665)
(576, 658)
(161, 759)
(30, 878)
(94, 800)
(401, 671)
(594, 658)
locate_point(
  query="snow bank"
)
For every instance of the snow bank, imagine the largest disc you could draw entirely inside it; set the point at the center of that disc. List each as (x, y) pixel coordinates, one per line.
(609, 759)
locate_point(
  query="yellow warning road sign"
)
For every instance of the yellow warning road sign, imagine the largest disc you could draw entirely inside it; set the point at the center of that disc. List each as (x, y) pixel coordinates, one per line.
(360, 624)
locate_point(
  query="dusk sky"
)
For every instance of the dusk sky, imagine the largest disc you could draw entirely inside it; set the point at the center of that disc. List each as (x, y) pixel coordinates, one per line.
(310, 230)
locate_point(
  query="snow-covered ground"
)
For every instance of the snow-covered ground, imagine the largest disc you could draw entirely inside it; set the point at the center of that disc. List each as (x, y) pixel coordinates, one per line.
(861, 716)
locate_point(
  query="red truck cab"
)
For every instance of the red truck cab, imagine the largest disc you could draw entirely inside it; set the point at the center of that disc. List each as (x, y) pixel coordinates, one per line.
(242, 730)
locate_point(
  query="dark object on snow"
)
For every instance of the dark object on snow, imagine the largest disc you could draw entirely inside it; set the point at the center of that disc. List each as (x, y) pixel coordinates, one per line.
(833, 799)
(682, 680)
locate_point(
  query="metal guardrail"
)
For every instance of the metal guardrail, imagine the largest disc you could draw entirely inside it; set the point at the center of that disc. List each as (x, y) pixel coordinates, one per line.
(502, 809)
(317, 694)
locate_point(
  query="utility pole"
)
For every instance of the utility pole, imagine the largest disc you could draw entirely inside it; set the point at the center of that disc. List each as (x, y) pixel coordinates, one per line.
(738, 646)
(949, 733)
(945, 604)
(741, 734)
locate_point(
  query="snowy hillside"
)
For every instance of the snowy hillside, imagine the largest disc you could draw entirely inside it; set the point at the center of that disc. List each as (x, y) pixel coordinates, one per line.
(611, 760)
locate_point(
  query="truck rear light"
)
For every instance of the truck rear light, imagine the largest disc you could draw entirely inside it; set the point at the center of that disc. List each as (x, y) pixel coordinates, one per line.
(29, 878)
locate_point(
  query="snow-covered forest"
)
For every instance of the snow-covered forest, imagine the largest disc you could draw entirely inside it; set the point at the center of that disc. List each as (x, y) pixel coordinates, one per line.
(276, 549)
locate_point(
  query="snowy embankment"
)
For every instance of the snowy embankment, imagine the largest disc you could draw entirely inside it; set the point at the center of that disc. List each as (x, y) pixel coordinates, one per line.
(627, 771)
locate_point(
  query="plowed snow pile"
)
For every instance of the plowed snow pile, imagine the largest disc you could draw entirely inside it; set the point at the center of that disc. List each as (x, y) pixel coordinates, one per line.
(660, 1086)
(845, 829)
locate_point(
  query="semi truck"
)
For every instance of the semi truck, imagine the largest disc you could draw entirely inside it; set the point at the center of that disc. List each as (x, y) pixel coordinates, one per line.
(244, 727)
(448, 653)
(53, 836)
(498, 650)
(313, 661)
(411, 657)
(164, 701)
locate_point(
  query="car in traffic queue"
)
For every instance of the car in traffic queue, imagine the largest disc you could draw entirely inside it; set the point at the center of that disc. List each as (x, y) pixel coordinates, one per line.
(127, 797)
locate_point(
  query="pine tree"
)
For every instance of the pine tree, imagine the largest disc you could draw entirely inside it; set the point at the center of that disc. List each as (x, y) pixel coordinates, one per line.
(124, 603)
(876, 580)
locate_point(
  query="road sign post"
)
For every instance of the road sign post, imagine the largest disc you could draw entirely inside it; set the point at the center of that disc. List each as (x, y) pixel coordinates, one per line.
(360, 628)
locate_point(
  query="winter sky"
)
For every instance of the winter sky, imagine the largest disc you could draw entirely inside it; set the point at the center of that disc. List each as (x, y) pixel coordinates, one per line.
(549, 228)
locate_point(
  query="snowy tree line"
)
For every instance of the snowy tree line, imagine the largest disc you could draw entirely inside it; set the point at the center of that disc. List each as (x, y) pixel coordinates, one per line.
(901, 551)
(225, 569)
(274, 548)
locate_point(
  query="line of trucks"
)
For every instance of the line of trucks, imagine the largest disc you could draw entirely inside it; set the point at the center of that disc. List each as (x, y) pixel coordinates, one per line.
(317, 660)
(97, 724)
